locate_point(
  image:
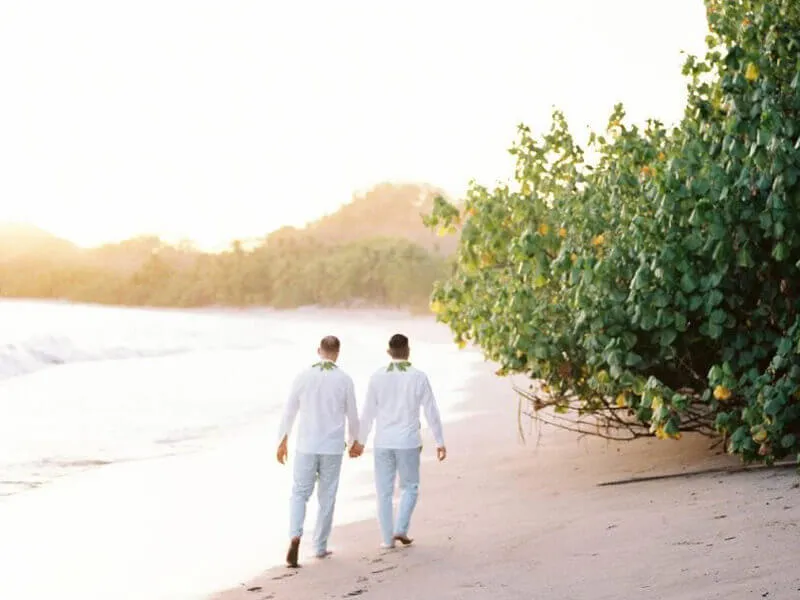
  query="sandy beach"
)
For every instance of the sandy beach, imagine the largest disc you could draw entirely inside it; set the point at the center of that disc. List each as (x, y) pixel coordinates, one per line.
(505, 520)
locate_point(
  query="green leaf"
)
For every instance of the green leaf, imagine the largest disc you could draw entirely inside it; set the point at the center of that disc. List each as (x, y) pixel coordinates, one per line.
(713, 299)
(780, 252)
(632, 359)
(744, 259)
(788, 441)
(688, 284)
(668, 336)
(629, 338)
(718, 316)
(774, 405)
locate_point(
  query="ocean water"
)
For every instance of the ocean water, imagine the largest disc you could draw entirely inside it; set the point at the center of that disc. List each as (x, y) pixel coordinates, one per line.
(137, 446)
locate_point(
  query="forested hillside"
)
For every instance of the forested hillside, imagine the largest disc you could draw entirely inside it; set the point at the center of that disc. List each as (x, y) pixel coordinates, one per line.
(374, 251)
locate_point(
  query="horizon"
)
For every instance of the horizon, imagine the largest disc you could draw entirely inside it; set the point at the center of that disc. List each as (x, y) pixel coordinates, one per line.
(218, 123)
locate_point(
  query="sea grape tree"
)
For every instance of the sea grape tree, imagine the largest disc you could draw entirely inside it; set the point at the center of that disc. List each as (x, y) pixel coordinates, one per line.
(655, 286)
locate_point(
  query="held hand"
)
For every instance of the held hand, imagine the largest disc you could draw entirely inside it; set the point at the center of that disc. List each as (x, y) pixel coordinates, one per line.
(441, 453)
(356, 450)
(283, 452)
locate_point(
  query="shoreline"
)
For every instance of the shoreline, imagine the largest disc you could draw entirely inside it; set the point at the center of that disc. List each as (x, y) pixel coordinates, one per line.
(505, 520)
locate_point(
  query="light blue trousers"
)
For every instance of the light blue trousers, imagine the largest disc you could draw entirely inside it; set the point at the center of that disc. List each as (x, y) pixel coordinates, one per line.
(390, 465)
(311, 469)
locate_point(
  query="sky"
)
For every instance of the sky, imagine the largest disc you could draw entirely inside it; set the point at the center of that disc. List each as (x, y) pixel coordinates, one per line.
(215, 120)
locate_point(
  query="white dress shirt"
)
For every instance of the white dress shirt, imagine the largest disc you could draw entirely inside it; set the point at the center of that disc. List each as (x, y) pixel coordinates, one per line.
(322, 397)
(395, 396)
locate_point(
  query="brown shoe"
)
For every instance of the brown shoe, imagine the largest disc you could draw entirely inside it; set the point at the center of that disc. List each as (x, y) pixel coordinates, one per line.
(403, 539)
(292, 554)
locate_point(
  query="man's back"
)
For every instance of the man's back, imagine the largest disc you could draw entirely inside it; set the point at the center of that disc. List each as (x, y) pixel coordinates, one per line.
(395, 396)
(321, 397)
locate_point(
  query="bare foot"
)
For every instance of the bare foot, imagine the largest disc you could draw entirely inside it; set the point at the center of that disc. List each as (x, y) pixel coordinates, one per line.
(324, 554)
(403, 539)
(291, 555)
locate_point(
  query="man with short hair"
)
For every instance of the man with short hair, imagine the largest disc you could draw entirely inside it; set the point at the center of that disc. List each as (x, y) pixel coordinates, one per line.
(322, 396)
(395, 396)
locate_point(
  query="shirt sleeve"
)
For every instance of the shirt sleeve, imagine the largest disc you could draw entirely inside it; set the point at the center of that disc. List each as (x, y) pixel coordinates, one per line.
(369, 412)
(352, 411)
(291, 409)
(431, 411)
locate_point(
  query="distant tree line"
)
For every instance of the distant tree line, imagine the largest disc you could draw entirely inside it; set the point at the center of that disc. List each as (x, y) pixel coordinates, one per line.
(332, 262)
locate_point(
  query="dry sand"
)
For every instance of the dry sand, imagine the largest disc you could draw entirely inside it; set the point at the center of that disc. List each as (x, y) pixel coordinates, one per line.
(502, 520)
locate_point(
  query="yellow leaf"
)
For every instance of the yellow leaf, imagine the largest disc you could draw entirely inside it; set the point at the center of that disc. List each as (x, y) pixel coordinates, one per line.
(441, 231)
(436, 307)
(621, 401)
(751, 73)
(526, 189)
(722, 393)
(544, 229)
(573, 257)
(598, 240)
(562, 233)
(760, 435)
(462, 343)
(661, 156)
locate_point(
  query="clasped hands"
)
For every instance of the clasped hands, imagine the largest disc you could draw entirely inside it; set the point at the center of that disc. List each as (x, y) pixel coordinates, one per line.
(356, 450)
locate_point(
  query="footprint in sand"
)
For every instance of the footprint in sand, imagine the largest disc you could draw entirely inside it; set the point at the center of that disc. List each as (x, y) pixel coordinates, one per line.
(383, 570)
(354, 593)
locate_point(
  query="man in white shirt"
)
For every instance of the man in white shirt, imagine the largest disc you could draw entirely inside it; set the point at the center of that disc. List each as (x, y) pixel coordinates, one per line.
(395, 396)
(322, 397)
